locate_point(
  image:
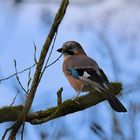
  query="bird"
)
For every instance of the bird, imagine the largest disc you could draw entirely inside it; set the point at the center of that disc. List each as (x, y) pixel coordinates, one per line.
(85, 75)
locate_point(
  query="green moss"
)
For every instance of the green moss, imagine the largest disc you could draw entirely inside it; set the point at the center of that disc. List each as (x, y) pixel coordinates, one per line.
(117, 87)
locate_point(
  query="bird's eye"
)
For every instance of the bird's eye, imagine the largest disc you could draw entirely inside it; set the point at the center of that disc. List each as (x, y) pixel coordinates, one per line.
(71, 48)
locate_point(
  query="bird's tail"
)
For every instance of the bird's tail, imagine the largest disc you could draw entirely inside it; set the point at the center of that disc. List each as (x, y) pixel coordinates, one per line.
(106, 93)
(114, 102)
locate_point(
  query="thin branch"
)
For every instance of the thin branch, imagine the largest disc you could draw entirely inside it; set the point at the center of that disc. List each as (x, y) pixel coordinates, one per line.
(10, 106)
(6, 131)
(29, 80)
(18, 78)
(59, 96)
(35, 59)
(54, 61)
(49, 55)
(51, 49)
(28, 68)
(14, 99)
(22, 131)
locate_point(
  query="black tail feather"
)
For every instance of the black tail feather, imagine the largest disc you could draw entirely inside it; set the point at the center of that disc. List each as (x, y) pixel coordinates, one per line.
(114, 102)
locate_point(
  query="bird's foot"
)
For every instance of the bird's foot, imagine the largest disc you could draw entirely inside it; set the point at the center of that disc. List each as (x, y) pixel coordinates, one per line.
(77, 102)
(74, 99)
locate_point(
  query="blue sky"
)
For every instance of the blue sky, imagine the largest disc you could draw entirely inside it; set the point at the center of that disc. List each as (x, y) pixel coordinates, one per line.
(116, 22)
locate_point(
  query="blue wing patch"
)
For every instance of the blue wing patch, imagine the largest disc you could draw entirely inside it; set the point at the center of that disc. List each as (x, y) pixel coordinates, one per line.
(73, 72)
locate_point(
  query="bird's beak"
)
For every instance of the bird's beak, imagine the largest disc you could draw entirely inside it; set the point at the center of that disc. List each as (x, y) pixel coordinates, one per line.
(61, 50)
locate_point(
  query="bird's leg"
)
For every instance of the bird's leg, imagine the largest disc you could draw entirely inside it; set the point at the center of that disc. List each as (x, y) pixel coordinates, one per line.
(74, 97)
(77, 95)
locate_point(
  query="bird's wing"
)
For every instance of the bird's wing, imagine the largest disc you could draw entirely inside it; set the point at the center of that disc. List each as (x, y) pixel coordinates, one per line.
(97, 78)
(94, 75)
(87, 67)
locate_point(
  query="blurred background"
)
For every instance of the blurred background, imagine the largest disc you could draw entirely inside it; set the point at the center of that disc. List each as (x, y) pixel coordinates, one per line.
(109, 31)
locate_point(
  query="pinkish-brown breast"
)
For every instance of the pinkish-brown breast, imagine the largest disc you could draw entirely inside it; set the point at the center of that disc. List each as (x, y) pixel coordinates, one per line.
(76, 84)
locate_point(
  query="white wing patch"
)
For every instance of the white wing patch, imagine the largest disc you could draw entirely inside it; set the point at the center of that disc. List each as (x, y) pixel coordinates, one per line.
(86, 74)
(105, 85)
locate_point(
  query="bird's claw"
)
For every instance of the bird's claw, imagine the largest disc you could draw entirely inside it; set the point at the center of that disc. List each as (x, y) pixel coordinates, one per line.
(74, 99)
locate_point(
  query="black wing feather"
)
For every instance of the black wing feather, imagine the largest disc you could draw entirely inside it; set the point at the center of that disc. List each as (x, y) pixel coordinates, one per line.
(103, 75)
(80, 72)
(94, 76)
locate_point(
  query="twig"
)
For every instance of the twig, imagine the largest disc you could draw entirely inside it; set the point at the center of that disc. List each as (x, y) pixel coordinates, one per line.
(35, 59)
(51, 49)
(14, 99)
(22, 131)
(7, 110)
(28, 68)
(18, 78)
(54, 61)
(59, 96)
(49, 56)
(29, 80)
(8, 129)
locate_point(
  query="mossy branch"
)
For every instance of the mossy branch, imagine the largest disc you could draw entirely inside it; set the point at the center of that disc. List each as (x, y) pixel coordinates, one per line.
(65, 108)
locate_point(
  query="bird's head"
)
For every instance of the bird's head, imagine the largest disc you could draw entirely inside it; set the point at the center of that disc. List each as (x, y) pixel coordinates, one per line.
(71, 48)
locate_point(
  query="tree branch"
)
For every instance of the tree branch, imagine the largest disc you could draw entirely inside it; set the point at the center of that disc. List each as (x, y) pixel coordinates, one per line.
(67, 107)
(21, 118)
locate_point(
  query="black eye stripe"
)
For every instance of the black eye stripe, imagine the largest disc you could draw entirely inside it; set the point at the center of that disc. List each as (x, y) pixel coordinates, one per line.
(70, 52)
(70, 48)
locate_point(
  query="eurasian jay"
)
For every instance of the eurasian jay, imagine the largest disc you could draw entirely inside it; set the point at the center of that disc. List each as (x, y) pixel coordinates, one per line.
(84, 74)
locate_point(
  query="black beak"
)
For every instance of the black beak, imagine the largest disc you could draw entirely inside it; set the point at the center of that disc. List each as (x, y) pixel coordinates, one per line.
(60, 50)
